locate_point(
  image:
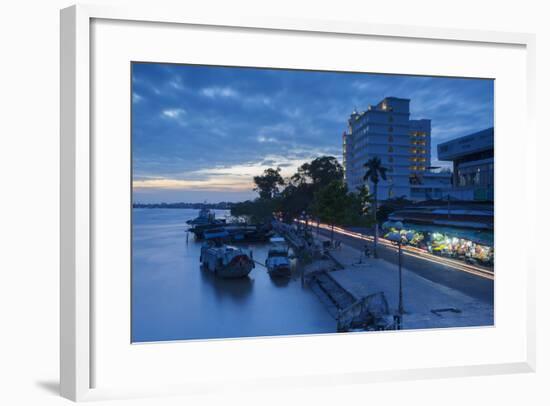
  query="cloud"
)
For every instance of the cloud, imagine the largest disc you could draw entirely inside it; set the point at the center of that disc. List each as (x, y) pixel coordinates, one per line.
(217, 92)
(212, 184)
(136, 98)
(292, 112)
(176, 83)
(174, 113)
(361, 85)
(214, 128)
(258, 101)
(277, 131)
(263, 138)
(237, 177)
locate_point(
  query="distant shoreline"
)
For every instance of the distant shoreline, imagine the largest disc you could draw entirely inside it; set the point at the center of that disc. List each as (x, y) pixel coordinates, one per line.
(182, 205)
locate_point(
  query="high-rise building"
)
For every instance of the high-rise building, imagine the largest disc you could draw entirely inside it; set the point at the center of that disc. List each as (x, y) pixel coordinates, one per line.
(387, 132)
(420, 140)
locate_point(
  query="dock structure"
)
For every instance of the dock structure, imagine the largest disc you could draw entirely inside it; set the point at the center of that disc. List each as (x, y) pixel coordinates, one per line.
(290, 234)
(301, 241)
(369, 312)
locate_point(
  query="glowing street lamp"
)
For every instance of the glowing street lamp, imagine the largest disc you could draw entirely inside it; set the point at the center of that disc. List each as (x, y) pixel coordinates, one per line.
(399, 239)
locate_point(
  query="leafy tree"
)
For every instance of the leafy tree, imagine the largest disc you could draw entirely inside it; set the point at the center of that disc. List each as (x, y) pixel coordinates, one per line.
(319, 172)
(257, 211)
(309, 179)
(365, 198)
(267, 185)
(374, 172)
(330, 204)
(299, 194)
(294, 200)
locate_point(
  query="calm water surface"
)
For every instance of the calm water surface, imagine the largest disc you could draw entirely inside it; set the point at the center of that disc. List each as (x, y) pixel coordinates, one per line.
(173, 299)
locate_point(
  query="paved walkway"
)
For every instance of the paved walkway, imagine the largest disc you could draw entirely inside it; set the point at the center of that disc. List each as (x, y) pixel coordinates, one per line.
(471, 285)
(420, 295)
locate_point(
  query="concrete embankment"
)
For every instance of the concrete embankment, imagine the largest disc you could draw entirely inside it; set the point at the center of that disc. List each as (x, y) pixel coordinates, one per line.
(345, 279)
(426, 304)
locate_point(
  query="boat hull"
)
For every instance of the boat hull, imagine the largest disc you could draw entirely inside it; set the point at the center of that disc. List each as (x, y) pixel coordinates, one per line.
(280, 272)
(238, 265)
(278, 266)
(234, 271)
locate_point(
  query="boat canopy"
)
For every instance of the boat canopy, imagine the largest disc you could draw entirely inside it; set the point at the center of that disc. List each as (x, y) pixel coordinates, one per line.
(277, 240)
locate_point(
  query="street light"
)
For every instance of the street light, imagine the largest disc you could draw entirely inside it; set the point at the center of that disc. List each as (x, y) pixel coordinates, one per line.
(398, 238)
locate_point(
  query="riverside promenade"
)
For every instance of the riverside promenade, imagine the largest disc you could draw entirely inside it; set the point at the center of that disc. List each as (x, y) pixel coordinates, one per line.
(427, 304)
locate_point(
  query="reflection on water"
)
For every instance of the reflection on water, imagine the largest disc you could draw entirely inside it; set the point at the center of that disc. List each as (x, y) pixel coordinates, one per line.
(238, 289)
(280, 282)
(174, 299)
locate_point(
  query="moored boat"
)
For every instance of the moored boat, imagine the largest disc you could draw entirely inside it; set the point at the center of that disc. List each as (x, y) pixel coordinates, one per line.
(233, 232)
(205, 217)
(277, 262)
(226, 261)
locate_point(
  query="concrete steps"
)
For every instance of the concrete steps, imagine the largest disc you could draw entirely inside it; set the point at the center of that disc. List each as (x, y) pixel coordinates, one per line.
(331, 293)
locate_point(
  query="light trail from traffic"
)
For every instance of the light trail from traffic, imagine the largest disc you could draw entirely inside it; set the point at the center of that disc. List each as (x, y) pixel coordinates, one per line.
(414, 252)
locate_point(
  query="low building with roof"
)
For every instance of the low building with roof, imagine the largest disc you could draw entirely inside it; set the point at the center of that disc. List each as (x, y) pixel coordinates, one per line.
(473, 165)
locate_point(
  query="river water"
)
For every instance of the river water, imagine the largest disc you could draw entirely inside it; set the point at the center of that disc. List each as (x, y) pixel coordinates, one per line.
(173, 299)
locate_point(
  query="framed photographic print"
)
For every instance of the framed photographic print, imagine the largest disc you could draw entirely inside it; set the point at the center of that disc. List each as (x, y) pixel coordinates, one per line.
(273, 202)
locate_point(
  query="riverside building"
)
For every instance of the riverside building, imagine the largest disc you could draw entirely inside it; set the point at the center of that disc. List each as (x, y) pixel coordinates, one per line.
(473, 164)
(403, 145)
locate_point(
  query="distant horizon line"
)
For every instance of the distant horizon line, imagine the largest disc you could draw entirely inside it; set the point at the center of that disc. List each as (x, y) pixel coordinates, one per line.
(186, 203)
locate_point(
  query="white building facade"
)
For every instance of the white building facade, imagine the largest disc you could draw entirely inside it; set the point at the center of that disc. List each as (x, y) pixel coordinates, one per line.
(403, 146)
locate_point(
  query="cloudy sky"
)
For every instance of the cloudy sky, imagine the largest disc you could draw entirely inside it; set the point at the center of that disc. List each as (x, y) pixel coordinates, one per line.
(200, 133)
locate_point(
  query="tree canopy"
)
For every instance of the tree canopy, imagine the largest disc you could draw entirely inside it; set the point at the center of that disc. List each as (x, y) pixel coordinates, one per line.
(267, 185)
(319, 172)
(317, 188)
(375, 170)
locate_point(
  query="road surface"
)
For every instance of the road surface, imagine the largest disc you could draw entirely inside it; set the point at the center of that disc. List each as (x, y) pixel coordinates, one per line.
(457, 277)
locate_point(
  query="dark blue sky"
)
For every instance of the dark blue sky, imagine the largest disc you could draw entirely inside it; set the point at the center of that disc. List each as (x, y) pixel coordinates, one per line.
(201, 133)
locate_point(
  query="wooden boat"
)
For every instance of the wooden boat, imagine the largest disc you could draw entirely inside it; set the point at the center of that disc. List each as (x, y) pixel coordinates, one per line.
(277, 262)
(226, 261)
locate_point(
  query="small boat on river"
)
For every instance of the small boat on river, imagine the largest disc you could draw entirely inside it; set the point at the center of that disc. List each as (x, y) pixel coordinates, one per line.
(205, 217)
(277, 262)
(226, 261)
(232, 232)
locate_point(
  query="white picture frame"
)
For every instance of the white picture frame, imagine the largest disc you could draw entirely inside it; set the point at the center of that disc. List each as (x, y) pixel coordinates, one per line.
(76, 279)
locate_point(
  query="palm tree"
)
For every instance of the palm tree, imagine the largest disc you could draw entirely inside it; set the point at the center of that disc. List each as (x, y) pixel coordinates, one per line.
(375, 171)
